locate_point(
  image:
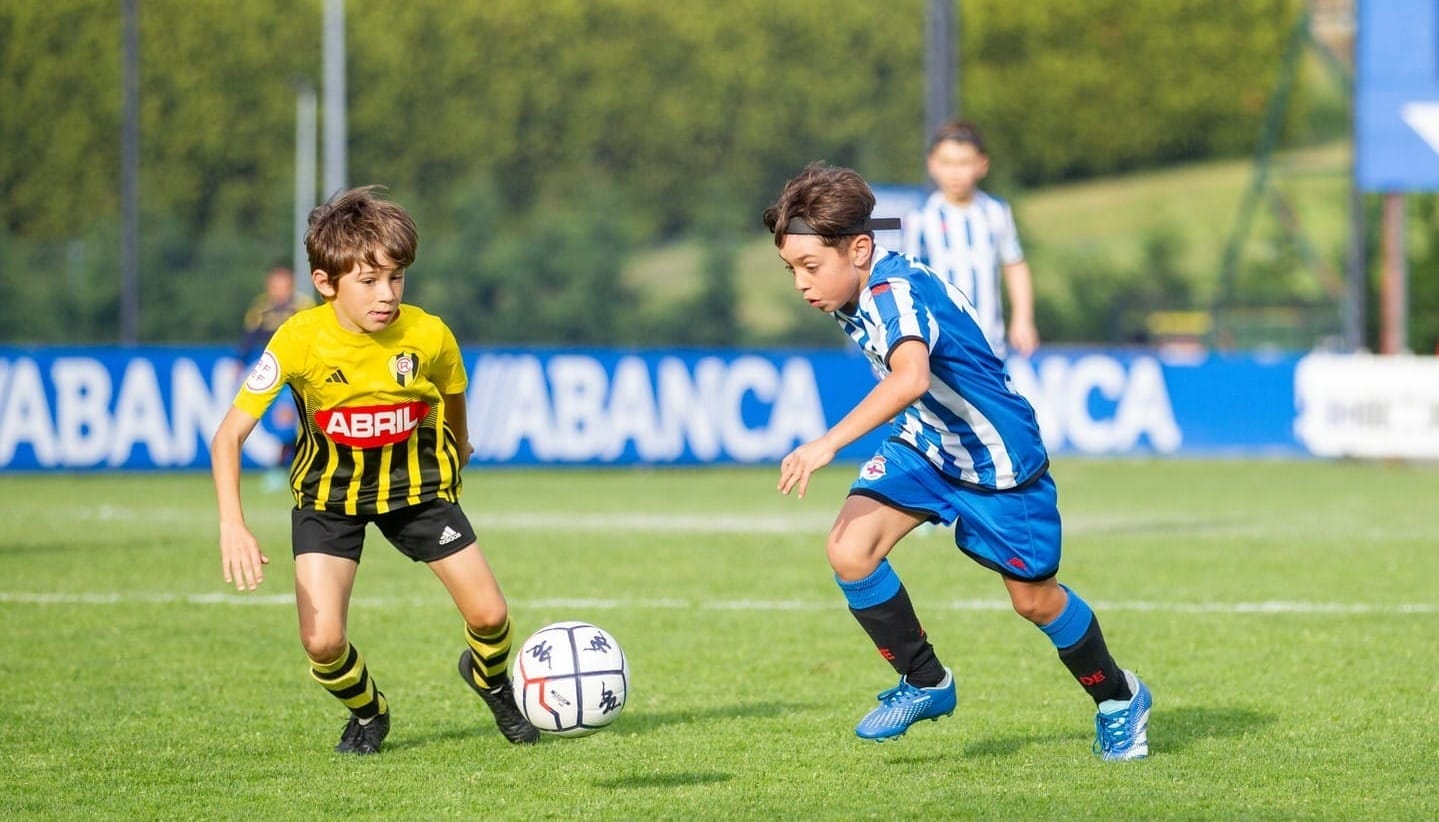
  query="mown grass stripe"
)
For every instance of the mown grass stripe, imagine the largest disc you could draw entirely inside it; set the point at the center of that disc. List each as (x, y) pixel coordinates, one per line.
(1238, 608)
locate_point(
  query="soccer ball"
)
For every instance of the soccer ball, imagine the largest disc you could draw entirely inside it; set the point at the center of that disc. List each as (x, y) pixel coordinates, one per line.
(570, 678)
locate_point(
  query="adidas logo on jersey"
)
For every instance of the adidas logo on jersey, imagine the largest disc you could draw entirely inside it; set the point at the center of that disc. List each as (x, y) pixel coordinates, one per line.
(338, 376)
(449, 535)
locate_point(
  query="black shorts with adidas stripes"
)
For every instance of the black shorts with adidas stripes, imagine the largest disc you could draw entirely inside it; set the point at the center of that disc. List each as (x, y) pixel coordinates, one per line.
(424, 532)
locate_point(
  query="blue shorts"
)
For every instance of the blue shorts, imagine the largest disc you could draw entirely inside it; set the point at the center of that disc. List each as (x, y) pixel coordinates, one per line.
(1015, 532)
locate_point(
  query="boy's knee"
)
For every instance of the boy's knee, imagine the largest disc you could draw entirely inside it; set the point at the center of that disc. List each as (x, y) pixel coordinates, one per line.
(851, 563)
(324, 648)
(1039, 605)
(488, 619)
(1030, 609)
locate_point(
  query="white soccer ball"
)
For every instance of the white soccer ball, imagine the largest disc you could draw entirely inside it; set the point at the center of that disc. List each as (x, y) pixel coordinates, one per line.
(570, 678)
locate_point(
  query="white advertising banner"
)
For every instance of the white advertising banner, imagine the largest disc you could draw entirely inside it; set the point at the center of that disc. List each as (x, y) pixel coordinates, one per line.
(1368, 406)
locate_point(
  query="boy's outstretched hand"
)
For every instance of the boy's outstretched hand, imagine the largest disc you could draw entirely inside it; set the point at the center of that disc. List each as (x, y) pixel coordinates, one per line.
(794, 470)
(240, 557)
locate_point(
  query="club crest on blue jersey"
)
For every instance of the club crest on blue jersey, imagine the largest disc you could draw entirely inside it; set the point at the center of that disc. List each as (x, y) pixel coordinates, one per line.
(872, 470)
(403, 367)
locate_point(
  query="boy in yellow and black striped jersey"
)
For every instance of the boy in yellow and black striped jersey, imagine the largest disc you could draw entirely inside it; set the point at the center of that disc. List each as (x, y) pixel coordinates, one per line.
(380, 389)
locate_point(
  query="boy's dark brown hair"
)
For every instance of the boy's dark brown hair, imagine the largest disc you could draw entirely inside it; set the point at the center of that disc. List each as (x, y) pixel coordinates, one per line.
(829, 199)
(353, 226)
(960, 131)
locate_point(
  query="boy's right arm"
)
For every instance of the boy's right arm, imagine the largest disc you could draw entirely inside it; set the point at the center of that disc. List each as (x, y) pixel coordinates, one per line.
(907, 381)
(240, 557)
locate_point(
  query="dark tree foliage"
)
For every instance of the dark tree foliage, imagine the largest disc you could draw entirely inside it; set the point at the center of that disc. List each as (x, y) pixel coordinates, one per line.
(540, 144)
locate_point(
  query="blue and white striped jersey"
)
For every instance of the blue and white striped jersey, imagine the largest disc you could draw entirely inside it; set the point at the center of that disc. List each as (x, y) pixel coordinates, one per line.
(971, 424)
(968, 246)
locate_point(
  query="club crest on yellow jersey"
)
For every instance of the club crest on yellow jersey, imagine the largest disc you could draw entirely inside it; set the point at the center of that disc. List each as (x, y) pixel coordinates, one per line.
(404, 366)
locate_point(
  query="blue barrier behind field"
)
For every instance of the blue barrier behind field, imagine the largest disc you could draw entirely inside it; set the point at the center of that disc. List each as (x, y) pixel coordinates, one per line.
(156, 407)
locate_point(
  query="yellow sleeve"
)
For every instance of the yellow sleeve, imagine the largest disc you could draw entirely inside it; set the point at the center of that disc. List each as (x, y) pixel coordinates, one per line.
(283, 358)
(448, 373)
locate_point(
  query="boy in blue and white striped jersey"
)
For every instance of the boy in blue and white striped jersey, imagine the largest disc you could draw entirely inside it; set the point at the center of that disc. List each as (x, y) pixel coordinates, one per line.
(968, 237)
(964, 447)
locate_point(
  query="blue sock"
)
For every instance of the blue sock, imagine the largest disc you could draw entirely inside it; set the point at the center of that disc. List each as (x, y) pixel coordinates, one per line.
(1082, 649)
(879, 587)
(1070, 626)
(882, 607)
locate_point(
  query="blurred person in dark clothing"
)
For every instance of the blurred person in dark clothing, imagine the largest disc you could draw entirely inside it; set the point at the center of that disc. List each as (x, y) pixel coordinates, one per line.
(271, 307)
(277, 303)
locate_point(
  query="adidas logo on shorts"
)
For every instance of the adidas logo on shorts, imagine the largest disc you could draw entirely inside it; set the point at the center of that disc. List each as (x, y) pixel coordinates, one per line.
(449, 535)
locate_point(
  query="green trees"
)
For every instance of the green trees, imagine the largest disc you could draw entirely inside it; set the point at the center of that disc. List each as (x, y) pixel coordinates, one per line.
(1079, 89)
(555, 138)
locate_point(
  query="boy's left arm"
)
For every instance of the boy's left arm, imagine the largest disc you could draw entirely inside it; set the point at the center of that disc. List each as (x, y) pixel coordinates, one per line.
(1023, 336)
(449, 376)
(907, 380)
(458, 419)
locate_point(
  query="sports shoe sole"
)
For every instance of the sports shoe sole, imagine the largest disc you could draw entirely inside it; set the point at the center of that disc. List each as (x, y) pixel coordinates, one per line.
(882, 739)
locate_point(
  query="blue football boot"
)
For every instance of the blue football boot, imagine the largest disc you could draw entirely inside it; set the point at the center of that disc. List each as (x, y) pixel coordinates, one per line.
(1121, 728)
(903, 705)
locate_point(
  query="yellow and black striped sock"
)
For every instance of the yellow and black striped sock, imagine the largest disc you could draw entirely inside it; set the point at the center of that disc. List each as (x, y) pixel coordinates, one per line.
(489, 656)
(349, 680)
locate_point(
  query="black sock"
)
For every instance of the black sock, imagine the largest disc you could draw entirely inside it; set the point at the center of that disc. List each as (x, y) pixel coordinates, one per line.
(894, 627)
(1090, 663)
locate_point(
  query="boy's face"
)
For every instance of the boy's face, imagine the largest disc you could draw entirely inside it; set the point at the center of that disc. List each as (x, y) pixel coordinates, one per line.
(956, 169)
(367, 297)
(828, 278)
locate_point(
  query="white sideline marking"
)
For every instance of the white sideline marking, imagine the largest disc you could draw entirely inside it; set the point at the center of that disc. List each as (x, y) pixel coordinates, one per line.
(718, 522)
(1262, 607)
(813, 523)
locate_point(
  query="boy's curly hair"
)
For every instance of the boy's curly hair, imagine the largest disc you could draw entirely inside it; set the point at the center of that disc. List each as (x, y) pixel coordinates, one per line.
(354, 226)
(829, 198)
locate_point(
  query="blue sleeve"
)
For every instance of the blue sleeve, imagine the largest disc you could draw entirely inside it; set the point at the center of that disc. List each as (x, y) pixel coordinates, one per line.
(903, 315)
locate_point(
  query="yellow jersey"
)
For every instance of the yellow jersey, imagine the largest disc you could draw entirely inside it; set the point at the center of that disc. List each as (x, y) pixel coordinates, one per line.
(372, 434)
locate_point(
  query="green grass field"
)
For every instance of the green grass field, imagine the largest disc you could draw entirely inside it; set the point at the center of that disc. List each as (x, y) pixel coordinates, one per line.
(1285, 615)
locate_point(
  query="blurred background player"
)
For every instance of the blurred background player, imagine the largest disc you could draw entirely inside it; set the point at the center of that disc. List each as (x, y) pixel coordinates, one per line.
(385, 436)
(270, 308)
(964, 448)
(968, 237)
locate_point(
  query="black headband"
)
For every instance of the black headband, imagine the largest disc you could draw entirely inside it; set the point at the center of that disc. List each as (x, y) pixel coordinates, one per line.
(797, 225)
